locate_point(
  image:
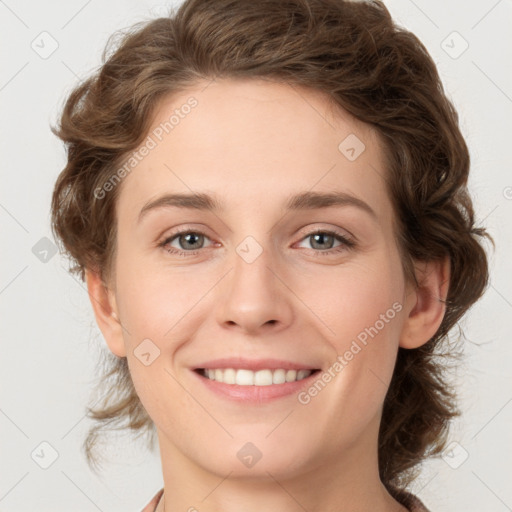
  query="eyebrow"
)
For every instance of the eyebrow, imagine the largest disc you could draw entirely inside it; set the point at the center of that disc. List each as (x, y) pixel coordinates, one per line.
(297, 202)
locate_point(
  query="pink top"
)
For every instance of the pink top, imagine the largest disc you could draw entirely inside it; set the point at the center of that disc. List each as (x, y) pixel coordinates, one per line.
(405, 498)
(151, 506)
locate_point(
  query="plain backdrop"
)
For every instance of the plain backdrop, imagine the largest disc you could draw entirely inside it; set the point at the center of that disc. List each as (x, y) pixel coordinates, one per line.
(48, 336)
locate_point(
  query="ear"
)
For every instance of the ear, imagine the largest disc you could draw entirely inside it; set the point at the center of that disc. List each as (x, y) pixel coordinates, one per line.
(105, 310)
(426, 303)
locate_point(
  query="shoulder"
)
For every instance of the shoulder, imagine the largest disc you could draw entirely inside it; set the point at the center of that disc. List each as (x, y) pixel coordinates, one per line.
(151, 506)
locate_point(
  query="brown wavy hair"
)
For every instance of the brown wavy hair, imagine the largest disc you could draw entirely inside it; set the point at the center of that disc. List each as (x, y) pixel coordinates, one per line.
(356, 55)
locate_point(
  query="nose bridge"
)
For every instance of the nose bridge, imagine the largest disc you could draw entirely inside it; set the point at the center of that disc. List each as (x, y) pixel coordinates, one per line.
(253, 295)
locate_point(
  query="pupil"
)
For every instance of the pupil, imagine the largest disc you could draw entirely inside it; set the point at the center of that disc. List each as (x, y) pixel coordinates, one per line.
(321, 236)
(189, 235)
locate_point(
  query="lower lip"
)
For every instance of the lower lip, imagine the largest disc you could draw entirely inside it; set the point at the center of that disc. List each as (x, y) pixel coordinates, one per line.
(256, 394)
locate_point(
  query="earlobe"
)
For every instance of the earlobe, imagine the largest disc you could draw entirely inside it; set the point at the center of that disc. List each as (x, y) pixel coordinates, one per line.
(105, 311)
(426, 304)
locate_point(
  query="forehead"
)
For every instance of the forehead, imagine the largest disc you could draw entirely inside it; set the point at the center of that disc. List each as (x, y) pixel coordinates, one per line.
(252, 142)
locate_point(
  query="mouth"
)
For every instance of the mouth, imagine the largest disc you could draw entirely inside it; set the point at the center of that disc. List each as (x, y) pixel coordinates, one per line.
(254, 381)
(247, 377)
(246, 382)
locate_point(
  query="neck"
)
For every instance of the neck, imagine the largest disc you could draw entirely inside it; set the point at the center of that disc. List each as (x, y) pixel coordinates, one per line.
(339, 484)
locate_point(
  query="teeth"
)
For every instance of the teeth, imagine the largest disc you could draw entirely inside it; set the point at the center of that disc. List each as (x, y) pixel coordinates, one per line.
(229, 376)
(302, 374)
(258, 378)
(291, 375)
(279, 377)
(243, 377)
(263, 378)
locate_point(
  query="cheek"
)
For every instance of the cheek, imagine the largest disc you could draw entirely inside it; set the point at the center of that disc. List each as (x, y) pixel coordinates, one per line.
(153, 302)
(362, 309)
(353, 298)
(154, 308)
(342, 301)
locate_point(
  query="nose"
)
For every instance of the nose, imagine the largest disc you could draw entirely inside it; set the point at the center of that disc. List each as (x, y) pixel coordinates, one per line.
(254, 297)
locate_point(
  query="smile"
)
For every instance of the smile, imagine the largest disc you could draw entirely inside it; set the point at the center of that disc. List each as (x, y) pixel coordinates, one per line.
(245, 377)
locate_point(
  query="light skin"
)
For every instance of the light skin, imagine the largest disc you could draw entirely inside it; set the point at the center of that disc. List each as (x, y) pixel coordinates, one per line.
(252, 144)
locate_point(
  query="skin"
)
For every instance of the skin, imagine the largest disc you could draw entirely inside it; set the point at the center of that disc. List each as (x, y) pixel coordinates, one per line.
(253, 143)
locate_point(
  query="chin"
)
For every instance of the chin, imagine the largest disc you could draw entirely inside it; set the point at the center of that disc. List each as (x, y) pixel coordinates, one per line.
(254, 457)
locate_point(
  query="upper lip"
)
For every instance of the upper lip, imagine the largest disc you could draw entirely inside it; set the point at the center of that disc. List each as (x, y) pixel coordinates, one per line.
(254, 364)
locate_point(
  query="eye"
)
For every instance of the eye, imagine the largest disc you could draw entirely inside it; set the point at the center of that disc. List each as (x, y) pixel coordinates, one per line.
(322, 241)
(189, 242)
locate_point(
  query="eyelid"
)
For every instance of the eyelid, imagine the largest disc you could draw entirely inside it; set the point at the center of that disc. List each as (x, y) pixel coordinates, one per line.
(165, 240)
(332, 229)
(201, 230)
(347, 240)
(304, 232)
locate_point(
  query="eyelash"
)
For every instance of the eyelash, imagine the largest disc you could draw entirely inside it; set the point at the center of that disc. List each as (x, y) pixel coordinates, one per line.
(346, 243)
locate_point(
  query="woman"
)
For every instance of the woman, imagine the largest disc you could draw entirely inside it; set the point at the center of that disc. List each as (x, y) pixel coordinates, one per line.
(267, 201)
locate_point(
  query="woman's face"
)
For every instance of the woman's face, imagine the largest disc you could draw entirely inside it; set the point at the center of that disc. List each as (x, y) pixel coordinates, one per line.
(247, 292)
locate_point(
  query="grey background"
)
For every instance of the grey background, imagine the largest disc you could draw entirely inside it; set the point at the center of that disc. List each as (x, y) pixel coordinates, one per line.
(50, 343)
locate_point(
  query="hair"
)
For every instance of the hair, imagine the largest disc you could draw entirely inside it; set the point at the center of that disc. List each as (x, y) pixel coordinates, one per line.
(353, 53)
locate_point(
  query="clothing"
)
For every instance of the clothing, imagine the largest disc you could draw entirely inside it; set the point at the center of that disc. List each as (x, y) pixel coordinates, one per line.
(404, 498)
(151, 506)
